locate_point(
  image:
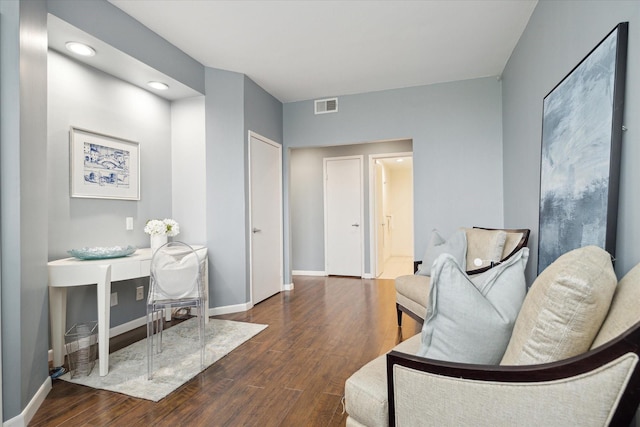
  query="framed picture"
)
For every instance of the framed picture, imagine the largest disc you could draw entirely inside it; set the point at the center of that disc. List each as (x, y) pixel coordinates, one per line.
(580, 162)
(103, 166)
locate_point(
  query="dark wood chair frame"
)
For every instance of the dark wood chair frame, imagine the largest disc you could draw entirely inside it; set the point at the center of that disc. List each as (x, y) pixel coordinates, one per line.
(521, 244)
(628, 342)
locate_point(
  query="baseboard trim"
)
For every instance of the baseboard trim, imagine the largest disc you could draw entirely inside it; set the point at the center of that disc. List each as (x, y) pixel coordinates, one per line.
(368, 276)
(23, 419)
(308, 273)
(142, 321)
(287, 287)
(230, 309)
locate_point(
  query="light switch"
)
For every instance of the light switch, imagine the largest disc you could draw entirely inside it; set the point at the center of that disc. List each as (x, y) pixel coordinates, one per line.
(129, 222)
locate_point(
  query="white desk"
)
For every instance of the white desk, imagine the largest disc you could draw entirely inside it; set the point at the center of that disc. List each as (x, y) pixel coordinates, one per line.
(69, 272)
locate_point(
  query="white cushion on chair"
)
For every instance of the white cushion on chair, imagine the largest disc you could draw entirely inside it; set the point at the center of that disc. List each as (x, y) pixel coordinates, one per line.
(486, 245)
(470, 319)
(366, 390)
(456, 246)
(564, 308)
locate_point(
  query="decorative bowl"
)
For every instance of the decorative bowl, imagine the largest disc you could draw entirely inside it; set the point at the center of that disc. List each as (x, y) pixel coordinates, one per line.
(102, 252)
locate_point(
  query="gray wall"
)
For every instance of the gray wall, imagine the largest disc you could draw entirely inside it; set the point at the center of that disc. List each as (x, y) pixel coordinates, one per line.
(23, 226)
(306, 199)
(559, 35)
(84, 97)
(225, 187)
(457, 147)
(235, 106)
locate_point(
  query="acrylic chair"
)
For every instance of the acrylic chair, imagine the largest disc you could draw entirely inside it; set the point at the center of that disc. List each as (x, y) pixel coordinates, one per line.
(175, 281)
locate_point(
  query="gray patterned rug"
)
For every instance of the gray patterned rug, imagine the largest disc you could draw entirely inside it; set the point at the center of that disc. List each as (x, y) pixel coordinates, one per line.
(177, 364)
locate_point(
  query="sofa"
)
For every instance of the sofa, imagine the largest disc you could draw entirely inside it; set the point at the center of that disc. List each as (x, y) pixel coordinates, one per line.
(571, 359)
(479, 244)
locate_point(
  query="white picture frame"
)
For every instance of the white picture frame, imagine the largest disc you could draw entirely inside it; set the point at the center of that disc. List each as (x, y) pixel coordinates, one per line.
(103, 166)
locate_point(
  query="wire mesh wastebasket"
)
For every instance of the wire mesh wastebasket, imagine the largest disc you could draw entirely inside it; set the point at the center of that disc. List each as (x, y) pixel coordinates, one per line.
(81, 341)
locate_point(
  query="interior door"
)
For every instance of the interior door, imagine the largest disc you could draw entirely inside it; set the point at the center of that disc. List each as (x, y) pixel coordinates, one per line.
(265, 160)
(343, 216)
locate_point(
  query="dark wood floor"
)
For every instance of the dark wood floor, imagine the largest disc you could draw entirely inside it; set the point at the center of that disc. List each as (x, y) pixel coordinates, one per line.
(291, 374)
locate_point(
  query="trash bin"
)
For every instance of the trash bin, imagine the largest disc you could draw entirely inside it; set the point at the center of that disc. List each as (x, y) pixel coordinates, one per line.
(81, 342)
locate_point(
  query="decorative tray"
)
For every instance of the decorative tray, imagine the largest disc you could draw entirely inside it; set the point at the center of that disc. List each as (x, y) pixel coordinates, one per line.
(102, 253)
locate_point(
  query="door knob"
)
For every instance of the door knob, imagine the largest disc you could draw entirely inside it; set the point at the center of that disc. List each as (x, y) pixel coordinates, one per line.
(256, 230)
(355, 225)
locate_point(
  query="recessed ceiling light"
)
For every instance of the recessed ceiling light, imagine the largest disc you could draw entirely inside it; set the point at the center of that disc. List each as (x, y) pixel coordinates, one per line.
(80, 49)
(158, 85)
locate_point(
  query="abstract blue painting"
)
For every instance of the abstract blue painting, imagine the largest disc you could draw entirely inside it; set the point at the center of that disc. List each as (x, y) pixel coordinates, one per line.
(581, 138)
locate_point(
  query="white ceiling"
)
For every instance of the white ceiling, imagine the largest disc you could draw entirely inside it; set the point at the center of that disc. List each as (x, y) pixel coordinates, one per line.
(304, 49)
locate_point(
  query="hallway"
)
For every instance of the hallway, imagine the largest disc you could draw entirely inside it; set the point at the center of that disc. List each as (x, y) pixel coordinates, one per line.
(397, 266)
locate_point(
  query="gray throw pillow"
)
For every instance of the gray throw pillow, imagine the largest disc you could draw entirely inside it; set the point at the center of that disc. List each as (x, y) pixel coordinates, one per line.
(455, 246)
(470, 319)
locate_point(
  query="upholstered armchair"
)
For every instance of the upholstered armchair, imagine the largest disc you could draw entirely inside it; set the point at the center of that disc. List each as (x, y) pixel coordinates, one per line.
(490, 246)
(571, 360)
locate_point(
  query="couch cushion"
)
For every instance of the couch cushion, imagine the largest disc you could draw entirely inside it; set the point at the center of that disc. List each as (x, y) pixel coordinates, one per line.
(455, 246)
(623, 312)
(470, 319)
(564, 308)
(486, 245)
(366, 390)
(412, 292)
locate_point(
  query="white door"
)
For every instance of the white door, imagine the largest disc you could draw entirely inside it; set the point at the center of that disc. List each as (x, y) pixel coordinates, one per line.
(265, 170)
(343, 216)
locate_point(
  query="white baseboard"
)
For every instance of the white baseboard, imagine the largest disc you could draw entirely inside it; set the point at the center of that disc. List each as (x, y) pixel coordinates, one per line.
(141, 321)
(368, 276)
(230, 309)
(23, 419)
(307, 273)
(287, 287)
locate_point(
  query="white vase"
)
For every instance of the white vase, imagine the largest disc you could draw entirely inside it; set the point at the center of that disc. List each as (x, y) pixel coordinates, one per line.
(157, 240)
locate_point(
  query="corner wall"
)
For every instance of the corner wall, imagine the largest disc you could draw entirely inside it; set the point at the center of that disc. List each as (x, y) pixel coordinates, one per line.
(23, 202)
(559, 35)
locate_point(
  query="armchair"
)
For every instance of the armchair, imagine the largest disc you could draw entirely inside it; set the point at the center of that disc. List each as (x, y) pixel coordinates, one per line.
(572, 359)
(597, 388)
(412, 290)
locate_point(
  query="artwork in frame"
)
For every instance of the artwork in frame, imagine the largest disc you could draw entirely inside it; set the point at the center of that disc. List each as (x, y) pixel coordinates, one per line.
(103, 166)
(580, 161)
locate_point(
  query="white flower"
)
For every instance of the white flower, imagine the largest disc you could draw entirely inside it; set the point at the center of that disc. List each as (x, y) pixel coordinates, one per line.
(166, 226)
(173, 228)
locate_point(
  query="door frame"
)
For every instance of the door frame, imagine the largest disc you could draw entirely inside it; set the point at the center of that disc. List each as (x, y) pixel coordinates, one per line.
(261, 138)
(361, 213)
(373, 230)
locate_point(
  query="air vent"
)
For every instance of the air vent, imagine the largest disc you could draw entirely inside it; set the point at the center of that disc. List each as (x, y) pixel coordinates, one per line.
(329, 105)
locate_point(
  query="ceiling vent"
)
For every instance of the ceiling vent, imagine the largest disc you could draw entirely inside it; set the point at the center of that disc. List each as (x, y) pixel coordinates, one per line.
(323, 106)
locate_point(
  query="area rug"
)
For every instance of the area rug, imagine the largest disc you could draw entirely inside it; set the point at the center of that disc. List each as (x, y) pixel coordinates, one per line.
(178, 362)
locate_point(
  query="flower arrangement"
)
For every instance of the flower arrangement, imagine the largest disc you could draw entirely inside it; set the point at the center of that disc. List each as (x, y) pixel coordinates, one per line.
(159, 227)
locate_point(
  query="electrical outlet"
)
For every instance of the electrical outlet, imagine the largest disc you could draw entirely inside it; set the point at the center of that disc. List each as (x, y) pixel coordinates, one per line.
(129, 223)
(114, 299)
(139, 293)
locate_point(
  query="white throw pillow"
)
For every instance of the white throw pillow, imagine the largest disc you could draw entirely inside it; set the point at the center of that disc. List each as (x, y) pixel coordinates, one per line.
(455, 246)
(470, 319)
(484, 245)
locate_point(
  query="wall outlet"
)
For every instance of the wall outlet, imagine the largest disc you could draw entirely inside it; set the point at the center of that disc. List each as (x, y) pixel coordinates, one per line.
(129, 223)
(114, 299)
(139, 293)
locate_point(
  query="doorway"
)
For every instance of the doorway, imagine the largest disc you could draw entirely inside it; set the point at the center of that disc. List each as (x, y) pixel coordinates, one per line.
(391, 210)
(265, 224)
(343, 204)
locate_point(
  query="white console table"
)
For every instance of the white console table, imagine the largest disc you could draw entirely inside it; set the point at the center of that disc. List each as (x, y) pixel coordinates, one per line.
(68, 272)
